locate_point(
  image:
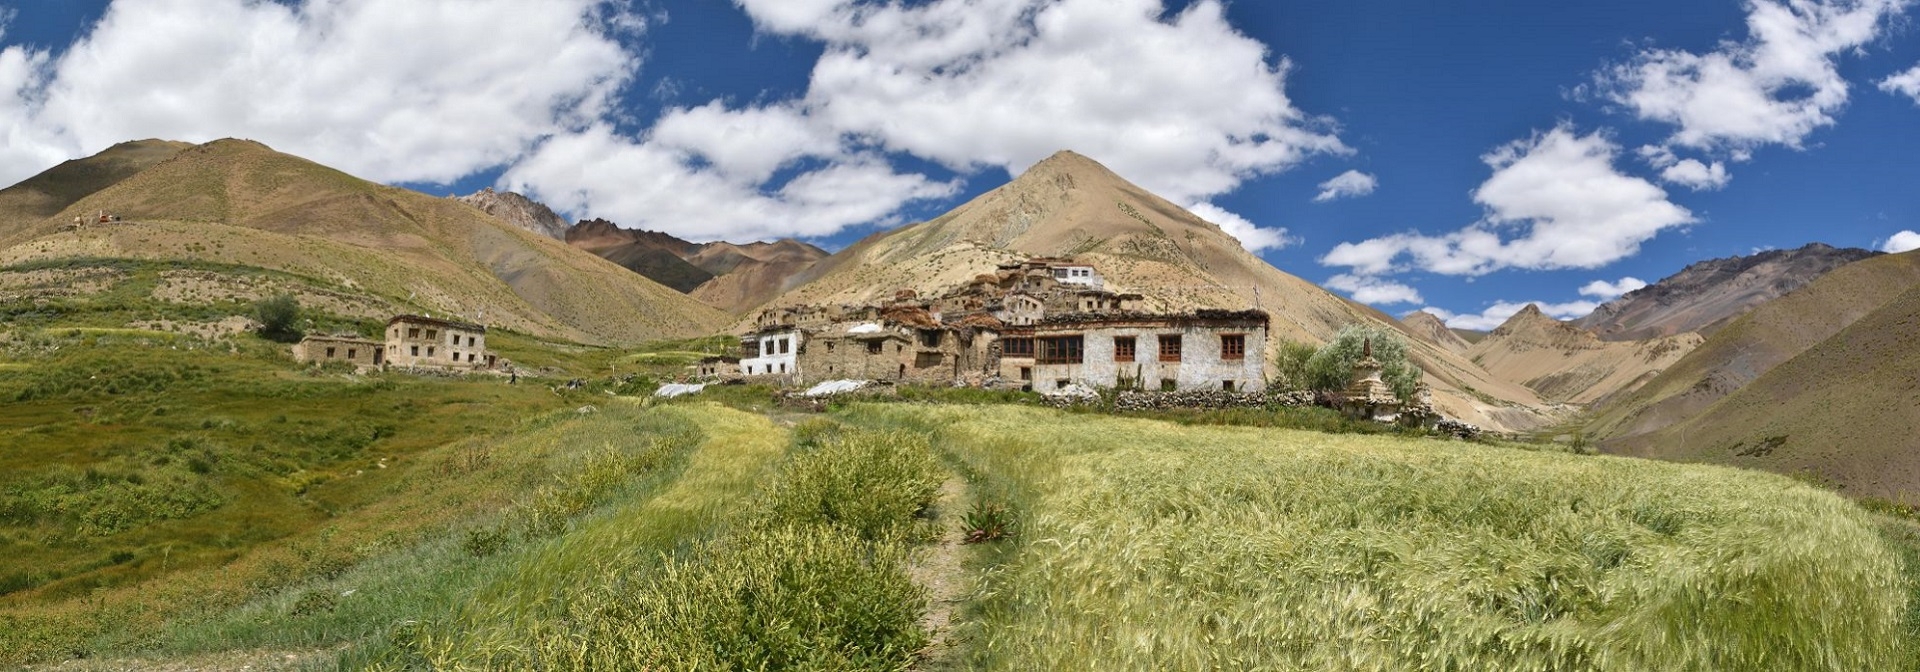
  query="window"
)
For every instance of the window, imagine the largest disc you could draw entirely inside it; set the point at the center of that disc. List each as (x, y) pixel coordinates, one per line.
(929, 338)
(873, 347)
(433, 334)
(416, 351)
(329, 353)
(927, 360)
(751, 348)
(786, 346)
(469, 341)
(783, 367)
(470, 358)
(1226, 386)
(1123, 349)
(1233, 346)
(829, 346)
(429, 351)
(1017, 347)
(1026, 373)
(1061, 383)
(413, 332)
(1169, 385)
(353, 353)
(1170, 347)
(1060, 350)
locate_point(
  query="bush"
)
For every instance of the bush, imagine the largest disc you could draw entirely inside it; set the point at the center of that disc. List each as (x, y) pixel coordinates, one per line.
(871, 484)
(781, 598)
(278, 316)
(1331, 368)
(1290, 367)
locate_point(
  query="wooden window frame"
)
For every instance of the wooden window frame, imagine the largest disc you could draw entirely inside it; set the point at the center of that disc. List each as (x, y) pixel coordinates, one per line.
(1169, 354)
(1018, 346)
(1126, 349)
(1233, 347)
(1060, 350)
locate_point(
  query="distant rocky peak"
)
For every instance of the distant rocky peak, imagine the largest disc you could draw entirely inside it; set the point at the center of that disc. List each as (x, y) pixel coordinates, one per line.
(519, 211)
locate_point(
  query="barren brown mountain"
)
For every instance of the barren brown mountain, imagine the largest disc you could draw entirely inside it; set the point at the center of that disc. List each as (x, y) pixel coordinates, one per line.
(728, 276)
(358, 248)
(1705, 296)
(1563, 362)
(1071, 206)
(1428, 327)
(1842, 411)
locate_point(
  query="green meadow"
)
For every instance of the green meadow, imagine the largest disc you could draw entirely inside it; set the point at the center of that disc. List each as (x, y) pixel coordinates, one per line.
(169, 498)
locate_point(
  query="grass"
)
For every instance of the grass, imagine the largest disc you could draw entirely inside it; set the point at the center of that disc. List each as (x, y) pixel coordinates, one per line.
(1146, 545)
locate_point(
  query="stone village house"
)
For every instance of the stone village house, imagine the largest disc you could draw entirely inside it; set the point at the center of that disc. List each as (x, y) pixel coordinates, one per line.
(1042, 324)
(411, 341)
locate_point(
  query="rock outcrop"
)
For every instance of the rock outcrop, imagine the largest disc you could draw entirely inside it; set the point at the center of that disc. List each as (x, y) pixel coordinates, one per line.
(519, 211)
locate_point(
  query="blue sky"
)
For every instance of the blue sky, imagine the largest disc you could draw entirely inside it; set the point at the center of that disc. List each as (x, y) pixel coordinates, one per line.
(1491, 153)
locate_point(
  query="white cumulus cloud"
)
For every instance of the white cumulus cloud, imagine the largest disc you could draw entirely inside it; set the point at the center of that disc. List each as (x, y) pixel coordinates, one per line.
(1554, 201)
(1347, 185)
(1901, 242)
(1501, 311)
(1905, 83)
(1776, 87)
(1607, 291)
(1185, 105)
(424, 90)
(1374, 290)
(1251, 236)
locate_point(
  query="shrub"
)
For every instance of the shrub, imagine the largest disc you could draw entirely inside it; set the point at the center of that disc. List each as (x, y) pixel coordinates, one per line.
(872, 484)
(1331, 368)
(988, 521)
(784, 598)
(278, 316)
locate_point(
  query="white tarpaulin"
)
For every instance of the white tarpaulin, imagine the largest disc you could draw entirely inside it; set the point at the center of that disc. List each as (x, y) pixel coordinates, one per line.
(834, 387)
(671, 390)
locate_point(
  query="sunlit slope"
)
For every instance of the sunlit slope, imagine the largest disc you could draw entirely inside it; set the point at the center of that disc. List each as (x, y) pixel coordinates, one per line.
(239, 202)
(1564, 362)
(1753, 344)
(1071, 206)
(1150, 546)
(23, 205)
(1845, 411)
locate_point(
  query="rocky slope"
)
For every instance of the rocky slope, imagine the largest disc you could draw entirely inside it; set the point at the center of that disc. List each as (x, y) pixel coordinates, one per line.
(1428, 327)
(1071, 206)
(728, 276)
(370, 249)
(519, 211)
(1705, 296)
(1565, 363)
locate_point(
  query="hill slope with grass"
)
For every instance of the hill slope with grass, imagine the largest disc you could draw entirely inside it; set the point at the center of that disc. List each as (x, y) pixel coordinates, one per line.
(1750, 346)
(46, 194)
(1845, 411)
(238, 203)
(1564, 362)
(1071, 206)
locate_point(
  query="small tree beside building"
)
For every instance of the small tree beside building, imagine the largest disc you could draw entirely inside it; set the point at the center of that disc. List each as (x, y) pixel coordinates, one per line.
(1331, 368)
(278, 315)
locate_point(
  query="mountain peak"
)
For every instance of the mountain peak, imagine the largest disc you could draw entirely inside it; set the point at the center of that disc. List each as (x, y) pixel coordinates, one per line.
(519, 211)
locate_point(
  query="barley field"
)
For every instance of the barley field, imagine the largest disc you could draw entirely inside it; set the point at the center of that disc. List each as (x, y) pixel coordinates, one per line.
(1143, 545)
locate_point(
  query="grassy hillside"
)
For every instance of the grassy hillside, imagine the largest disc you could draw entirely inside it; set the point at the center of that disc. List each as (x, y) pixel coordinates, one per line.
(1146, 546)
(1754, 344)
(239, 203)
(23, 205)
(1842, 412)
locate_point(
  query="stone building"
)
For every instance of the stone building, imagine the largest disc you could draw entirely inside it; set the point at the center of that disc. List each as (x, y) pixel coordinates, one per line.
(714, 368)
(772, 354)
(417, 341)
(353, 350)
(1203, 350)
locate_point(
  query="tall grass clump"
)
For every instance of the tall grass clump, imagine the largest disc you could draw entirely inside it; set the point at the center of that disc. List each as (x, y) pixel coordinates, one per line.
(813, 576)
(1151, 546)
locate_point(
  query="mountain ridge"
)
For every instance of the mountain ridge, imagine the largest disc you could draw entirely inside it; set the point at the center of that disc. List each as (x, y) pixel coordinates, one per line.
(1707, 294)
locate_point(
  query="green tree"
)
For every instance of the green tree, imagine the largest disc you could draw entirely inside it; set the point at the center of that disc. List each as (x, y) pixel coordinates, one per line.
(1290, 368)
(278, 316)
(1331, 367)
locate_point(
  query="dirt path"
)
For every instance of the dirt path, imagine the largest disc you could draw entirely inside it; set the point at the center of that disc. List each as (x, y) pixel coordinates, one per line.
(235, 661)
(938, 569)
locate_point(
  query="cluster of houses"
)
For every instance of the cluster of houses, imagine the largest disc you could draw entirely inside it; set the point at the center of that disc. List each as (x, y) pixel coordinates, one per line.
(412, 341)
(1042, 324)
